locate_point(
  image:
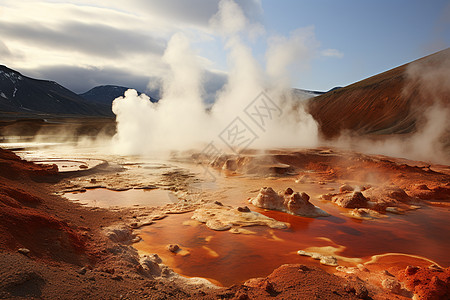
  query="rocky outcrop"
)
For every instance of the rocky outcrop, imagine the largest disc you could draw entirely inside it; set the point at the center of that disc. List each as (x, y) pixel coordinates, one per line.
(426, 283)
(368, 202)
(297, 282)
(351, 200)
(119, 233)
(289, 202)
(431, 193)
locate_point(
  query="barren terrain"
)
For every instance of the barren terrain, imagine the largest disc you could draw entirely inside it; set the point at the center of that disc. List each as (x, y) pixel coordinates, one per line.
(360, 249)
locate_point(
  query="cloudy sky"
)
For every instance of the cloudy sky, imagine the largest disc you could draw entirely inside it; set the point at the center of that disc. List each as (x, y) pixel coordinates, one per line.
(85, 43)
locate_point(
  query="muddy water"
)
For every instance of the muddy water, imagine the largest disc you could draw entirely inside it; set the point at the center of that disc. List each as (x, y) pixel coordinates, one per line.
(229, 258)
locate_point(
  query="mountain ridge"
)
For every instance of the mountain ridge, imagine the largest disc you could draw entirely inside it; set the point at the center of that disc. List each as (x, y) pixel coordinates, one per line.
(106, 94)
(23, 94)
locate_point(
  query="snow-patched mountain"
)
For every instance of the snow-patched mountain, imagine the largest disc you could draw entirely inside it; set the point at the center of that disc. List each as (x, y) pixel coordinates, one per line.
(305, 94)
(106, 94)
(22, 94)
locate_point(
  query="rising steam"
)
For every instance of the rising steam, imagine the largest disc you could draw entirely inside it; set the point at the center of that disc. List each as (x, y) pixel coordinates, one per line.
(180, 120)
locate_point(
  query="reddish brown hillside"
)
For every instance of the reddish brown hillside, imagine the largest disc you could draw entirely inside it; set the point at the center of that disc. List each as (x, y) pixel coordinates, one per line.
(390, 102)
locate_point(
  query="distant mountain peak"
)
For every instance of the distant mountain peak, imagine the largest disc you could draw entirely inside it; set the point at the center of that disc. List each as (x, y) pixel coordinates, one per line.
(12, 75)
(106, 94)
(21, 94)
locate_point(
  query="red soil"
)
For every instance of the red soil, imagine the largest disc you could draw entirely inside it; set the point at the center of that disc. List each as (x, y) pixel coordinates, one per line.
(427, 283)
(45, 240)
(297, 282)
(24, 223)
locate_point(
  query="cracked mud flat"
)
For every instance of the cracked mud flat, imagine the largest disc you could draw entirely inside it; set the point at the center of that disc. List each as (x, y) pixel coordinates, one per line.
(365, 246)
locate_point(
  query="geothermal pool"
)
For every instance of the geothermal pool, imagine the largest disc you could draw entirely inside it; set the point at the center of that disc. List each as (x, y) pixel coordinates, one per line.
(230, 258)
(227, 258)
(105, 198)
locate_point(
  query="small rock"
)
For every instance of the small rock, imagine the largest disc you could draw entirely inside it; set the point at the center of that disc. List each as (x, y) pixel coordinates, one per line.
(327, 197)
(294, 203)
(288, 191)
(329, 261)
(174, 248)
(303, 253)
(353, 200)
(218, 203)
(386, 272)
(82, 271)
(93, 180)
(411, 270)
(243, 209)
(346, 188)
(23, 251)
(136, 239)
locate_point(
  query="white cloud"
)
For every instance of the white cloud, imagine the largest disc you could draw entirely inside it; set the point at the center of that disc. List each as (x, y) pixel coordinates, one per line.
(332, 53)
(100, 34)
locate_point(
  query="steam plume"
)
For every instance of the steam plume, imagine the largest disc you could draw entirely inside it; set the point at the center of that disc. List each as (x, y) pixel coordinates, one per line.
(180, 120)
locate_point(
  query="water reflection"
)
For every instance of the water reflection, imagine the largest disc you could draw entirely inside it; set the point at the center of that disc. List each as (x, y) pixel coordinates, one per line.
(107, 198)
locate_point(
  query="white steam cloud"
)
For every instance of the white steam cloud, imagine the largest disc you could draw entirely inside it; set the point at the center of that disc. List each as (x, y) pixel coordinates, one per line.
(180, 121)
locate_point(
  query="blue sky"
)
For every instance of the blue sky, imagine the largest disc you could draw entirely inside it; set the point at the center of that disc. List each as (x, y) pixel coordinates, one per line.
(373, 36)
(85, 43)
